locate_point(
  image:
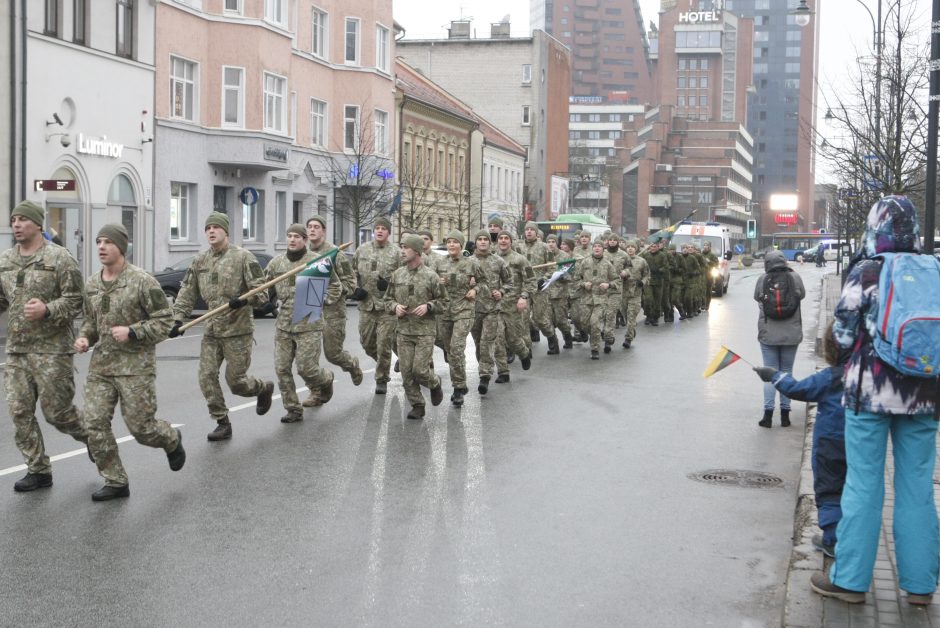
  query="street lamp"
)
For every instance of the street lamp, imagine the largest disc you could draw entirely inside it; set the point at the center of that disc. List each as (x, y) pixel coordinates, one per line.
(802, 14)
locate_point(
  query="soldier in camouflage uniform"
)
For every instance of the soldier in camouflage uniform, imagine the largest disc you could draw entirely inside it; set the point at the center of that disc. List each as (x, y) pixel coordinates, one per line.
(634, 282)
(618, 260)
(494, 226)
(41, 288)
(595, 274)
(487, 327)
(582, 324)
(711, 262)
(558, 293)
(220, 275)
(658, 263)
(126, 315)
(463, 278)
(700, 282)
(515, 336)
(332, 322)
(299, 342)
(536, 253)
(374, 263)
(416, 297)
(690, 273)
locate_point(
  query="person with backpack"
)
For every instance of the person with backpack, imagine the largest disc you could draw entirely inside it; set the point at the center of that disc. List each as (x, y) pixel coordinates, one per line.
(890, 305)
(778, 292)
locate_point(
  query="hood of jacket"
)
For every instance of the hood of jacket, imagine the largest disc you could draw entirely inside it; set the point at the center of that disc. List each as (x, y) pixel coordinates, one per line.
(775, 260)
(891, 227)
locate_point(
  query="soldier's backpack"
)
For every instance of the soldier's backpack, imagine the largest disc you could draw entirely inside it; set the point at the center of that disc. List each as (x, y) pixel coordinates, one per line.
(907, 333)
(779, 298)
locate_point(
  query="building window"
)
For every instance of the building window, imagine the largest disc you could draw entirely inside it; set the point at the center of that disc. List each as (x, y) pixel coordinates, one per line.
(318, 123)
(351, 127)
(791, 68)
(693, 82)
(275, 90)
(692, 102)
(233, 6)
(680, 82)
(253, 220)
(703, 82)
(526, 115)
(381, 132)
(381, 48)
(526, 73)
(594, 117)
(51, 26)
(683, 64)
(352, 41)
(182, 89)
(280, 211)
(179, 210)
(80, 21)
(760, 68)
(125, 28)
(233, 96)
(276, 11)
(321, 30)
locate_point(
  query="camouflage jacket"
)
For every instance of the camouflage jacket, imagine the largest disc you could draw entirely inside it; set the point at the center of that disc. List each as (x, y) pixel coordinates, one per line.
(580, 252)
(690, 271)
(342, 276)
(659, 267)
(537, 253)
(133, 299)
(412, 288)
(638, 270)
(619, 260)
(498, 277)
(51, 275)
(217, 278)
(523, 279)
(457, 274)
(559, 289)
(371, 262)
(285, 291)
(595, 270)
(711, 260)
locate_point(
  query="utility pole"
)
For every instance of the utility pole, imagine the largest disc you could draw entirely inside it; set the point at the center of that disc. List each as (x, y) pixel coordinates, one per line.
(930, 211)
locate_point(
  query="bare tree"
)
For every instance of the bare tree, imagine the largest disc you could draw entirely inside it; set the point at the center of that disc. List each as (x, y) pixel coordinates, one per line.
(419, 197)
(467, 204)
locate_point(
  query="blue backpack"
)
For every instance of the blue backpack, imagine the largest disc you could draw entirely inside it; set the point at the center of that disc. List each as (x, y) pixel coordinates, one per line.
(907, 336)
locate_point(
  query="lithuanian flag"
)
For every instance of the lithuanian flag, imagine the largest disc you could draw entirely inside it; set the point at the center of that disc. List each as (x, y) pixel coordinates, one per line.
(725, 357)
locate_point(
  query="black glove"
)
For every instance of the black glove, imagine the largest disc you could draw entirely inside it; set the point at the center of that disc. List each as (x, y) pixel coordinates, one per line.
(382, 284)
(766, 373)
(540, 283)
(359, 294)
(175, 330)
(639, 284)
(268, 308)
(235, 303)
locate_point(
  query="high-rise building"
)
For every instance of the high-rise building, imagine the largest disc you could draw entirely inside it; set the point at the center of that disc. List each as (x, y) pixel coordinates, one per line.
(607, 38)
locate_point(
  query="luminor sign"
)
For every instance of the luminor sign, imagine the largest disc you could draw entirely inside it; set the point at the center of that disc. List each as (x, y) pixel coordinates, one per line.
(696, 17)
(99, 146)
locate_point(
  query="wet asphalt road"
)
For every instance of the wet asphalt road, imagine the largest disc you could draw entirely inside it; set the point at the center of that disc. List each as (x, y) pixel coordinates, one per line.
(561, 499)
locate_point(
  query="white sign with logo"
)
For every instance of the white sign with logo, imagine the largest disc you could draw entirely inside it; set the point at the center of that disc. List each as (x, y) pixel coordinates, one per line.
(99, 146)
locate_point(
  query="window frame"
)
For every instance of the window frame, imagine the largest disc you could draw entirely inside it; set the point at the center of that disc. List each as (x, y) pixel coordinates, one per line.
(194, 82)
(240, 123)
(526, 73)
(357, 121)
(382, 50)
(358, 43)
(380, 128)
(324, 122)
(324, 49)
(183, 211)
(80, 30)
(282, 109)
(526, 115)
(238, 10)
(280, 19)
(52, 16)
(124, 8)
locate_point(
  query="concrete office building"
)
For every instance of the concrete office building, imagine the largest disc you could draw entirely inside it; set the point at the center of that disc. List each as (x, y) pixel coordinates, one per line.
(276, 122)
(609, 48)
(519, 84)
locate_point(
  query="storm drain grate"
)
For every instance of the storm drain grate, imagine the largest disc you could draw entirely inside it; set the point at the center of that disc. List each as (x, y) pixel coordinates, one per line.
(176, 358)
(737, 477)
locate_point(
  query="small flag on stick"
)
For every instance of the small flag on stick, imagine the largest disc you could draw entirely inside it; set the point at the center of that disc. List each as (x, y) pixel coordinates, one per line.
(725, 357)
(311, 286)
(564, 266)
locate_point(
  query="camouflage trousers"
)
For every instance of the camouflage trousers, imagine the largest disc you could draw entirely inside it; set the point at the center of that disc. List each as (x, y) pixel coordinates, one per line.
(653, 301)
(333, 322)
(689, 297)
(377, 335)
(666, 302)
(486, 331)
(709, 288)
(678, 296)
(236, 352)
(631, 310)
(515, 338)
(595, 315)
(542, 312)
(138, 397)
(48, 379)
(304, 349)
(576, 310)
(414, 353)
(610, 315)
(559, 314)
(453, 338)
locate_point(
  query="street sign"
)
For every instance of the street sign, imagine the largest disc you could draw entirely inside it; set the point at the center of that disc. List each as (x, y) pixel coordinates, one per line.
(248, 196)
(739, 249)
(54, 185)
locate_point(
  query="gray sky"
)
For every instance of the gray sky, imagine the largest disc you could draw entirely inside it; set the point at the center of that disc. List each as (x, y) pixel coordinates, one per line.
(845, 30)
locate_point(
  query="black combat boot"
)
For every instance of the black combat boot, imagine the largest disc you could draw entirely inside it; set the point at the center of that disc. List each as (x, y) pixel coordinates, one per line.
(484, 384)
(326, 391)
(621, 321)
(768, 419)
(177, 457)
(457, 397)
(437, 395)
(607, 345)
(785, 417)
(626, 343)
(32, 481)
(502, 378)
(527, 361)
(595, 355)
(381, 388)
(569, 342)
(552, 345)
(534, 334)
(107, 493)
(264, 398)
(510, 357)
(417, 412)
(222, 431)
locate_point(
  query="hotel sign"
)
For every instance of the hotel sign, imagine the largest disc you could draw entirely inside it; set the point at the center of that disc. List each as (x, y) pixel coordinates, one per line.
(697, 17)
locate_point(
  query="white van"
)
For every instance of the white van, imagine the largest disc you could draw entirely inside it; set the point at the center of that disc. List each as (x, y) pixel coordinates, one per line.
(719, 236)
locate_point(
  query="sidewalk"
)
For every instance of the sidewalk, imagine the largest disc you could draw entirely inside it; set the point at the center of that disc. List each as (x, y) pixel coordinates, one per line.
(885, 604)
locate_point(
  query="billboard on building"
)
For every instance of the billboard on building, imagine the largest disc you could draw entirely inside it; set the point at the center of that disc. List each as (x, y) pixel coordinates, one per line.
(784, 202)
(559, 196)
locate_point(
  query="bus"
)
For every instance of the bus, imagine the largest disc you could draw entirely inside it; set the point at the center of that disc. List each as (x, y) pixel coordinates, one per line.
(793, 245)
(566, 225)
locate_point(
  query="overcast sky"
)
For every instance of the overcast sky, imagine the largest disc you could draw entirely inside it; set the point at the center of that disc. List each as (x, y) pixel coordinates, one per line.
(846, 29)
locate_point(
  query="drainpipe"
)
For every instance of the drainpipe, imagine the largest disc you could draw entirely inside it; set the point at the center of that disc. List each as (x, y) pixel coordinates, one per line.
(12, 177)
(23, 108)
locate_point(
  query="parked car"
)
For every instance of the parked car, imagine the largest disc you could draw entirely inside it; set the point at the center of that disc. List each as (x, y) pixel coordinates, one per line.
(171, 277)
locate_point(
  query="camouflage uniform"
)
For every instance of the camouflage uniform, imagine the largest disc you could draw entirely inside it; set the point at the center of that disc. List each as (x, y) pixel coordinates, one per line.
(659, 274)
(558, 297)
(457, 318)
(487, 327)
(515, 336)
(711, 261)
(537, 253)
(416, 335)
(300, 341)
(581, 324)
(701, 279)
(39, 353)
(618, 260)
(218, 277)
(633, 284)
(595, 270)
(332, 323)
(376, 327)
(125, 372)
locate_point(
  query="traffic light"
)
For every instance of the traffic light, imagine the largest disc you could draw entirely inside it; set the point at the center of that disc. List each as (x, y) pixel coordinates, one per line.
(751, 229)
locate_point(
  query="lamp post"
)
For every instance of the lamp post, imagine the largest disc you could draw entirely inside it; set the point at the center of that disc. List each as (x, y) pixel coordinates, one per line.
(933, 108)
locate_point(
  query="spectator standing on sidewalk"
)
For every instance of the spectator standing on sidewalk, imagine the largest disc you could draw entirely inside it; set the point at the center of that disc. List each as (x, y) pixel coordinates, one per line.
(880, 400)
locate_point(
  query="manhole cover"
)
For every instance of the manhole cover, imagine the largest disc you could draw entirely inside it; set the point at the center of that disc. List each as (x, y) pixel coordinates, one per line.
(174, 358)
(737, 477)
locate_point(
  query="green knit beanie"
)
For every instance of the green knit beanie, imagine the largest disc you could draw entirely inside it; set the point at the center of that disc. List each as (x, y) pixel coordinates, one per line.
(413, 242)
(456, 235)
(298, 229)
(318, 218)
(117, 234)
(482, 233)
(30, 211)
(218, 219)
